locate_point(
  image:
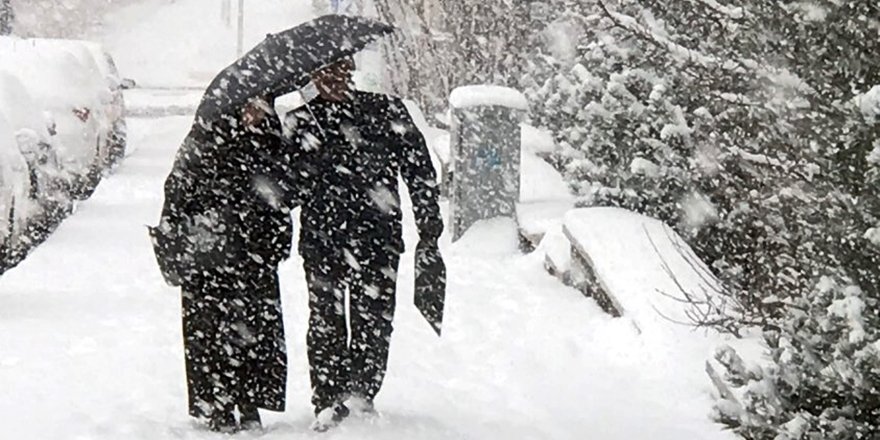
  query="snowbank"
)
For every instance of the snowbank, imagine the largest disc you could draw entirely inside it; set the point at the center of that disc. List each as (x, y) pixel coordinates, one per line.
(540, 182)
(485, 95)
(537, 140)
(556, 249)
(642, 262)
(545, 196)
(537, 218)
(649, 273)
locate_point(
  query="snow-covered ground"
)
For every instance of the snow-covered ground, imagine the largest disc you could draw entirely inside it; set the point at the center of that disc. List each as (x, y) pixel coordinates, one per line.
(90, 338)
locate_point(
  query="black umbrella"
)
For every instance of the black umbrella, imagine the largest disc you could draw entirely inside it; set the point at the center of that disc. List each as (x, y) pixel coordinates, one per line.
(430, 286)
(282, 62)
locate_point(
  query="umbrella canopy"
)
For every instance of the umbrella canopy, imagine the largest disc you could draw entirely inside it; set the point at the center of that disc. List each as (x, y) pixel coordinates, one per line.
(282, 62)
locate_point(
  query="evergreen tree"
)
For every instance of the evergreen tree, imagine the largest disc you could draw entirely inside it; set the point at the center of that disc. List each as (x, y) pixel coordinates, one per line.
(823, 378)
(697, 113)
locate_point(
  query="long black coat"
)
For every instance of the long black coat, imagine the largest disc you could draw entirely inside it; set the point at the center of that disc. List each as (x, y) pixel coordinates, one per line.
(225, 198)
(230, 183)
(351, 155)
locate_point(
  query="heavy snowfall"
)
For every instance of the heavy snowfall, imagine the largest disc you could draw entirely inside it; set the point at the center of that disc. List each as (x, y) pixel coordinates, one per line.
(659, 220)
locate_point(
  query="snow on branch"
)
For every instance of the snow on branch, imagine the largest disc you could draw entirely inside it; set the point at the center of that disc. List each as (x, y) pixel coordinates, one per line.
(760, 159)
(713, 306)
(680, 52)
(684, 54)
(735, 13)
(869, 103)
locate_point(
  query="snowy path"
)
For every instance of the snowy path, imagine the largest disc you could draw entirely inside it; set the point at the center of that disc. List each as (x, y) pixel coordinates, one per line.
(90, 340)
(91, 345)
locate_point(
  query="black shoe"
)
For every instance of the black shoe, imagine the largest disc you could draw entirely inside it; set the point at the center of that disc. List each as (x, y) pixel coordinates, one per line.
(249, 418)
(330, 417)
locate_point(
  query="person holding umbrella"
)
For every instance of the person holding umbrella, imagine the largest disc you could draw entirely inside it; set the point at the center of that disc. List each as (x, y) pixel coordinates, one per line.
(352, 147)
(226, 225)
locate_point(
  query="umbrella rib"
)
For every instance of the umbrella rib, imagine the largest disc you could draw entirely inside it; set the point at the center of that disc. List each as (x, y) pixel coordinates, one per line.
(318, 123)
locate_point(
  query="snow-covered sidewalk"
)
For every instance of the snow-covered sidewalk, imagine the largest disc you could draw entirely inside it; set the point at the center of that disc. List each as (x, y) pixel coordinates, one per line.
(90, 337)
(91, 344)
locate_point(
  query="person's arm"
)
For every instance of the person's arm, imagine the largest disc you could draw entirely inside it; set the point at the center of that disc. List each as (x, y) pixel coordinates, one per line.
(420, 177)
(298, 169)
(283, 163)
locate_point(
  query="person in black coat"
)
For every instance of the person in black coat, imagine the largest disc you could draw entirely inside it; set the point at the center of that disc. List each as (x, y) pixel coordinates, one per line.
(224, 201)
(352, 146)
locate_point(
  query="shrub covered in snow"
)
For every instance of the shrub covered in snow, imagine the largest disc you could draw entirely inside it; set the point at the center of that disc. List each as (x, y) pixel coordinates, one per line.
(734, 124)
(824, 378)
(756, 131)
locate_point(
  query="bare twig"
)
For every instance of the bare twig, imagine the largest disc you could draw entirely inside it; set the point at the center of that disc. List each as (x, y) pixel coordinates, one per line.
(711, 309)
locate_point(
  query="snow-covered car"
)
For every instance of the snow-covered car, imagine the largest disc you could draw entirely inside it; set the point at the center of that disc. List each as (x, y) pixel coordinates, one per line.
(71, 88)
(114, 110)
(49, 184)
(15, 204)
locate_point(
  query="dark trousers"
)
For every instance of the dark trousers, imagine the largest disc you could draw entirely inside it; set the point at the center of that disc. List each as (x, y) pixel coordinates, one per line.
(341, 365)
(234, 343)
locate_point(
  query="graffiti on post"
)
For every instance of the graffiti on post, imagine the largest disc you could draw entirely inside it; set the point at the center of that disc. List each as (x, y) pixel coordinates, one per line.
(487, 159)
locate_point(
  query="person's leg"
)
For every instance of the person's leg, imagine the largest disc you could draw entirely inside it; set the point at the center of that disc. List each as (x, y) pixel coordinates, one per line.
(230, 351)
(209, 376)
(249, 417)
(372, 303)
(327, 336)
(196, 334)
(264, 368)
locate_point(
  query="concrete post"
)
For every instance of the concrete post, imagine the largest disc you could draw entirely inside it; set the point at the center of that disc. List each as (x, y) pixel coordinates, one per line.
(485, 143)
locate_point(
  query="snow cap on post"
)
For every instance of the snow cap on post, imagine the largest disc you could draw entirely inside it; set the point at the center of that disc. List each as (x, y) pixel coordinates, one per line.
(488, 96)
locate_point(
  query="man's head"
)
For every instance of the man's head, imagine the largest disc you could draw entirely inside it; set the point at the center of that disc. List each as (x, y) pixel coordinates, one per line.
(334, 82)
